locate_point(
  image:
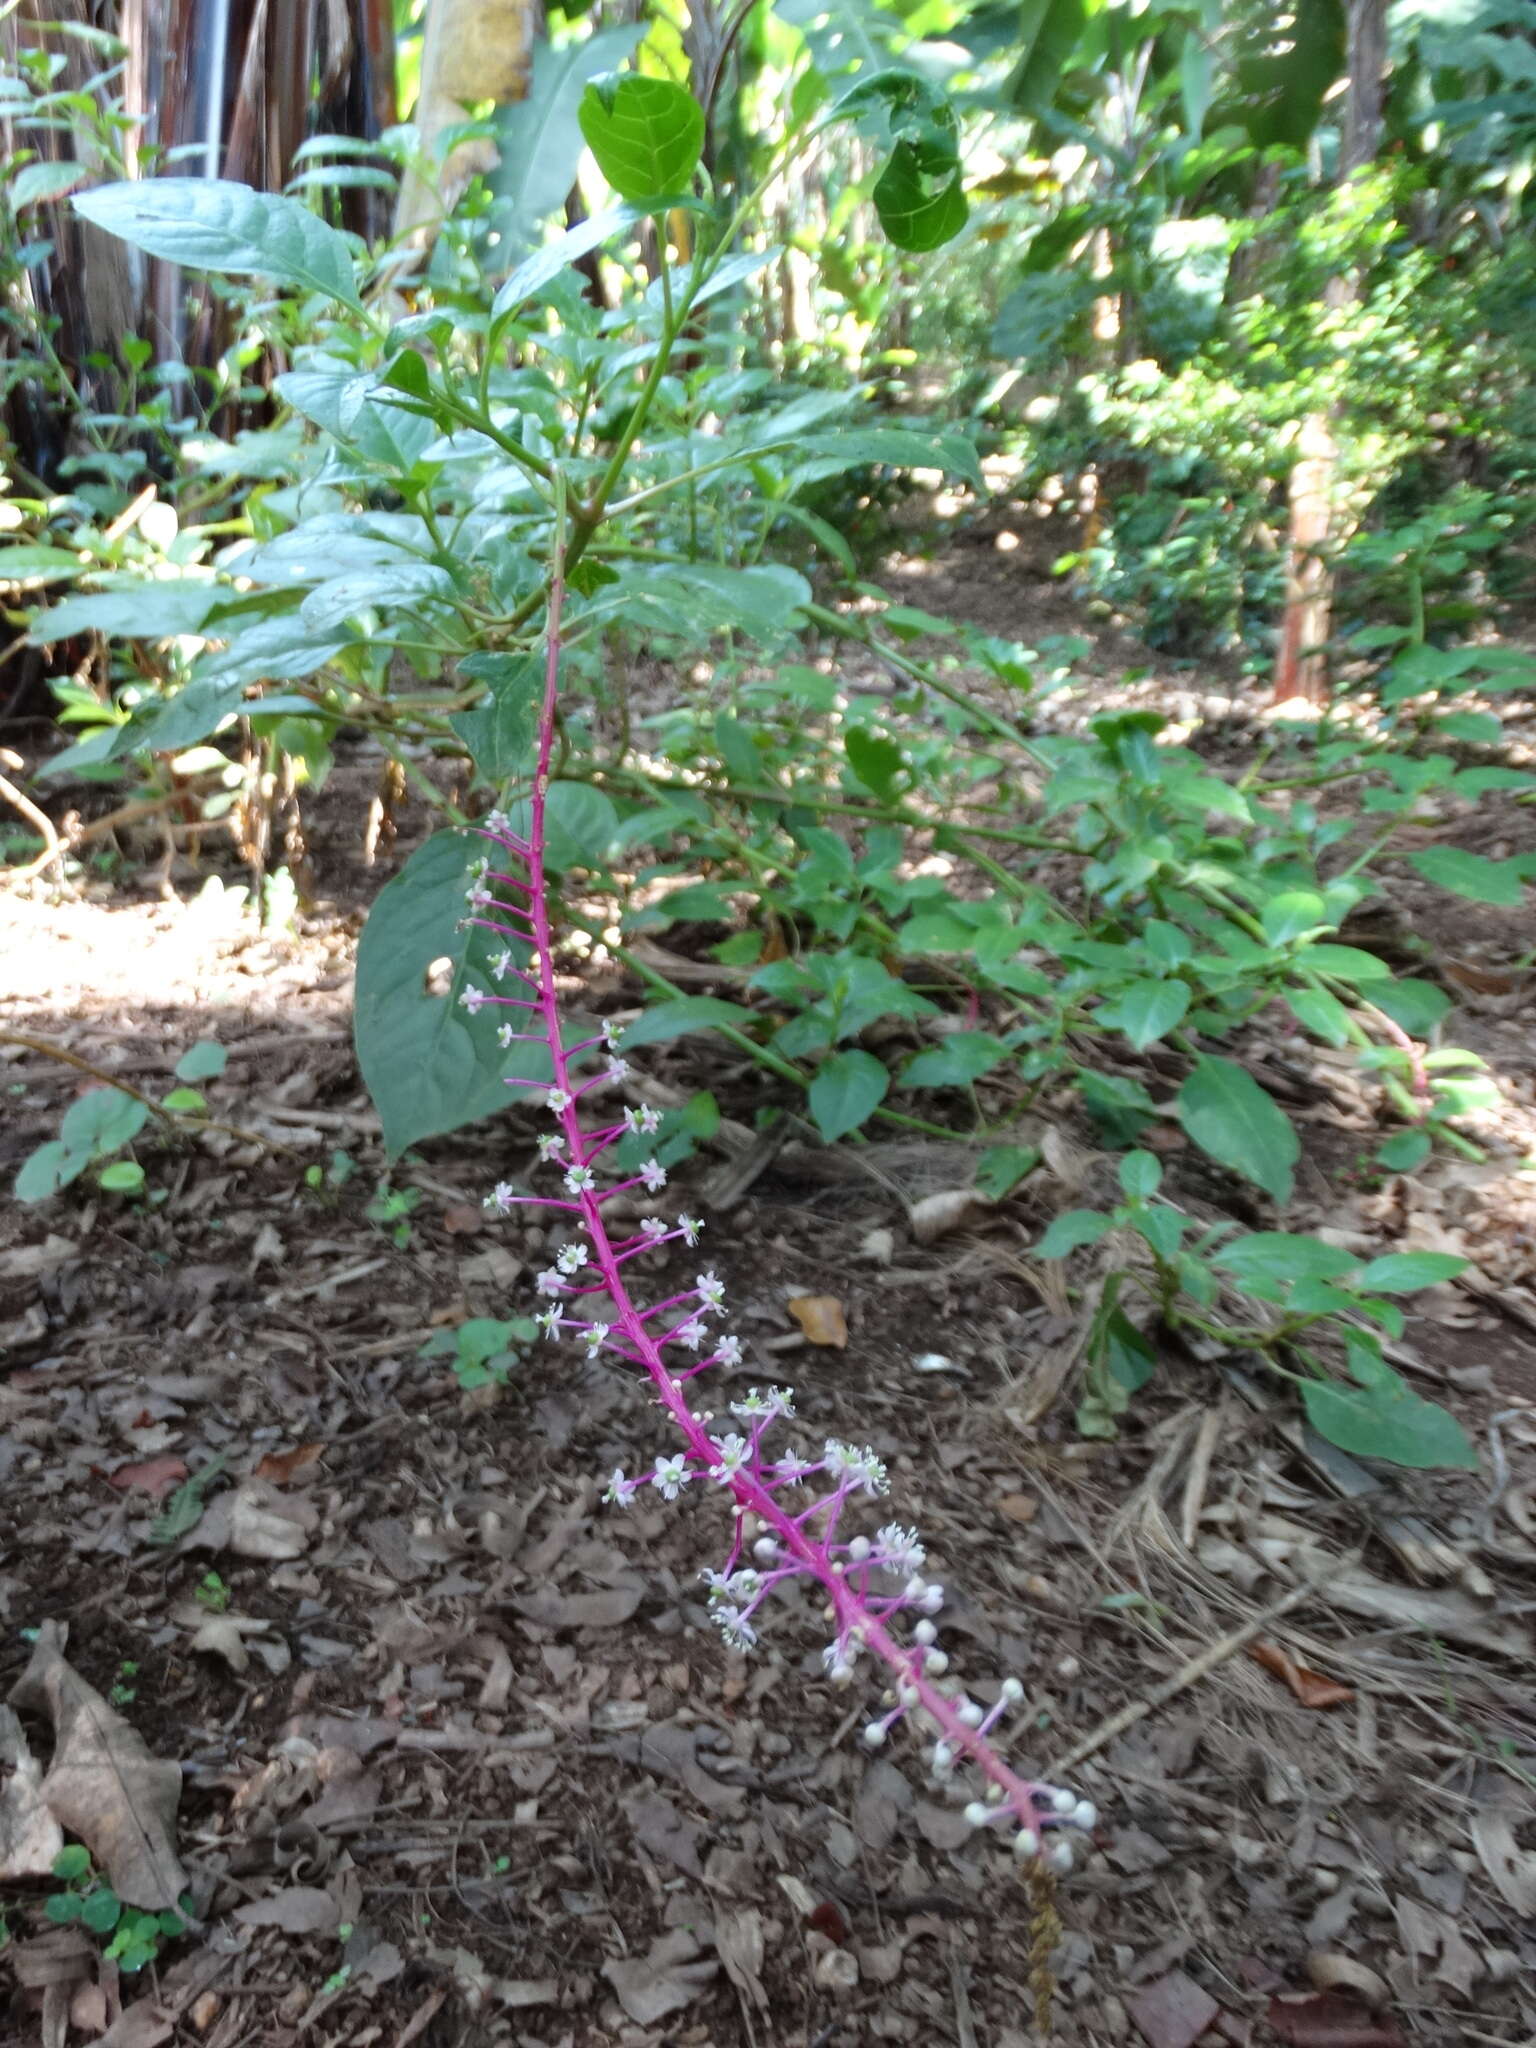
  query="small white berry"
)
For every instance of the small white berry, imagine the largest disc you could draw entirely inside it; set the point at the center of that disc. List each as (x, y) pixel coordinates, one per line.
(935, 1663)
(1085, 1815)
(978, 1815)
(1012, 1691)
(970, 1713)
(924, 1632)
(1064, 1802)
(1060, 1858)
(943, 1758)
(874, 1734)
(1026, 1845)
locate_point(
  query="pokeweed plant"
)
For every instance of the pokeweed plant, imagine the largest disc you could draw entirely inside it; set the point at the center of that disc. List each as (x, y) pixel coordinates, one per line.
(792, 1515)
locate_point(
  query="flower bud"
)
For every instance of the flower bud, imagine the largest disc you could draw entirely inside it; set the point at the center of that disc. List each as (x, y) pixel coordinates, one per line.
(874, 1734)
(1085, 1815)
(765, 1549)
(1064, 1802)
(858, 1549)
(1026, 1845)
(977, 1814)
(970, 1713)
(935, 1663)
(925, 1633)
(1011, 1691)
(1060, 1858)
(943, 1758)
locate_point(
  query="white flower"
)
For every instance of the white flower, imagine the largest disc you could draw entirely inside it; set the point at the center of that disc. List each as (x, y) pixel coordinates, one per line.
(579, 1180)
(498, 821)
(618, 1070)
(781, 1402)
(501, 1198)
(900, 1550)
(473, 999)
(500, 964)
(478, 894)
(692, 1230)
(732, 1453)
(550, 1281)
(728, 1352)
(671, 1476)
(654, 1228)
(610, 1036)
(753, 1402)
(551, 1146)
(837, 1661)
(620, 1491)
(594, 1336)
(654, 1176)
(549, 1322)
(792, 1467)
(571, 1258)
(557, 1100)
(691, 1333)
(734, 1626)
(710, 1289)
(504, 1036)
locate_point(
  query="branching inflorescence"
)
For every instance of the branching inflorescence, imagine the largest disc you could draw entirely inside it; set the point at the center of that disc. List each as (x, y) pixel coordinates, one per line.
(792, 1513)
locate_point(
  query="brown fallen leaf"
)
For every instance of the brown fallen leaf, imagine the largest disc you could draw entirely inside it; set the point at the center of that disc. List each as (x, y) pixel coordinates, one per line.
(142, 2025)
(257, 1521)
(1309, 1687)
(605, 1609)
(154, 1476)
(1512, 1869)
(663, 1980)
(1327, 2020)
(1173, 2012)
(463, 1219)
(301, 1909)
(935, 1216)
(1019, 1507)
(740, 1946)
(30, 1837)
(821, 1318)
(220, 1635)
(103, 1784)
(280, 1466)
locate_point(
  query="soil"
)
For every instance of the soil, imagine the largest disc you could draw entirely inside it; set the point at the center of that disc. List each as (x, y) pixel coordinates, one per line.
(461, 1759)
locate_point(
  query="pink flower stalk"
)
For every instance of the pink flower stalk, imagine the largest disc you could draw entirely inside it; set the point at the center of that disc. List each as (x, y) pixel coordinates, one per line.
(792, 1513)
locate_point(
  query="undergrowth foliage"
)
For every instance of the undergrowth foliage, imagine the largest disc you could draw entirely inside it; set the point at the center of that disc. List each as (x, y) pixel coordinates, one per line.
(794, 1518)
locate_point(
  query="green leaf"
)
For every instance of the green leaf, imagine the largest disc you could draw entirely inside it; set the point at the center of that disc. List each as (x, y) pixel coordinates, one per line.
(102, 1120)
(579, 823)
(1001, 1167)
(1405, 1150)
(539, 139)
(1070, 1231)
(33, 562)
(499, 732)
(1320, 1013)
(662, 1021)
(1229, 1116)
(147, 610)
(428, 1064)
(1387, 1420)
(704, 597)
(540, 269)
(122, 1177)
(1169, 946)
(63, 1908)
(204, 1061)
(647, 134)
(1141, 1175)
(1146, 1010)
(1471, 875)
(72, 1862)
(1418, 1006)
(36, 183)
(846, 1091)
(1288, 916)
(216, 224)
(101, 1911)
(1347, 963)
(51, 1167)
(186, 1101)
(1405, 1272)
(920, 196)
(962, 1057)
(874, 759)
(1281, 1256)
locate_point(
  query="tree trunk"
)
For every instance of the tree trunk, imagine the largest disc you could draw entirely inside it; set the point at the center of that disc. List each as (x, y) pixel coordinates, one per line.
(472, 50)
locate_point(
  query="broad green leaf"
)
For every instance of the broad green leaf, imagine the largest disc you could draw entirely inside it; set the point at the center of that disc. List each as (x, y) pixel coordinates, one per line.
(1405, 1150)
(204, 1061)
(409, 584)
(1346, 963)
(429, 1064)
(1388, 1420)
(34, 184)
(703, 597)
(959, 1059)
(647, 134)
(920, 196)
(673, 1019)
(1229, 1116)
(1169, 946)
(1320, 1013)
(1071, 1230)
(1282, 1255)
(874, 759)
(122, 1177)
(499, 733)
(1287, 916)
(846, 1091)
(1418, 1006)
(190, 1101)
(146, 610)
(1141, 1175)
(1406, 1272)
(1001, 1167)
(1471, 875)
(1146, 1011)
(49, 1168)
(579, 824)
(218, 225)
(32, 562)
(102, 1120)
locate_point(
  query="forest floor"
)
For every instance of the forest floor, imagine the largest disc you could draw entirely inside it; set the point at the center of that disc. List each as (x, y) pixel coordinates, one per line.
(460, 1759)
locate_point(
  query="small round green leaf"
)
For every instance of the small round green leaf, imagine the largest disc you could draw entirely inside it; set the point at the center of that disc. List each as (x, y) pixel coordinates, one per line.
(847, 1090)
(122, 1177)
(204, 1061)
